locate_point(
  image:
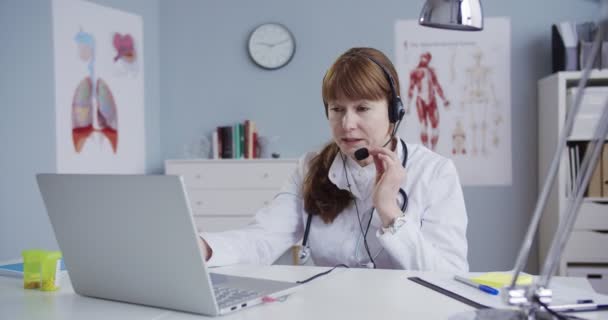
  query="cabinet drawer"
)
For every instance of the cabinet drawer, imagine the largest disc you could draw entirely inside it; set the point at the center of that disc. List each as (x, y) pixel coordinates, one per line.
(587, 246)
(217, 224)
(229, 202)
(597, 275)
(592, 216)
(233, 174)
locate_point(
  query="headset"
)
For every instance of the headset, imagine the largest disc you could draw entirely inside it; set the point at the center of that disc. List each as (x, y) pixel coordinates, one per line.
(395, 115)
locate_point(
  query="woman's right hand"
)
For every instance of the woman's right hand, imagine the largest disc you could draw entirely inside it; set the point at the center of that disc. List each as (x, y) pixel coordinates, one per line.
(205, 249)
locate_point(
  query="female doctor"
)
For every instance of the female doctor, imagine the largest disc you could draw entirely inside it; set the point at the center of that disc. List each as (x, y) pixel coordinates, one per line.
(368, 198)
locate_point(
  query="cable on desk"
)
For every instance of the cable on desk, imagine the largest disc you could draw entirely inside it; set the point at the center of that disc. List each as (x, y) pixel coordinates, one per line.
(556, 314)
(321, 274)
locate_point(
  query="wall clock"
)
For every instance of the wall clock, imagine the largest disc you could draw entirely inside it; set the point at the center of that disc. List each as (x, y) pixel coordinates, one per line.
(271, 46)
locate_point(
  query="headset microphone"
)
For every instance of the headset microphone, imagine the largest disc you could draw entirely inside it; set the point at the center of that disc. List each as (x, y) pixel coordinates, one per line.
(361, 154)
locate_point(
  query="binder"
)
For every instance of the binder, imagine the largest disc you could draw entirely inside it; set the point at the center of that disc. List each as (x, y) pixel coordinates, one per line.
(605, 170)
(564, 44)
(595, 183)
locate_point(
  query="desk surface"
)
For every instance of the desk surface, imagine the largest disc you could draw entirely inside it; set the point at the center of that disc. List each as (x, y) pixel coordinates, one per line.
(343, 294)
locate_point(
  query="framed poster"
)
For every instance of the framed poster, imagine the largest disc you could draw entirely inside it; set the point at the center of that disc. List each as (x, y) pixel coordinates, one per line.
(99, 89)
(456, 88)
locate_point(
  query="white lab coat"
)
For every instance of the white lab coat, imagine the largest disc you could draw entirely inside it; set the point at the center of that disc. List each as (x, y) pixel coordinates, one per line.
(433, 237)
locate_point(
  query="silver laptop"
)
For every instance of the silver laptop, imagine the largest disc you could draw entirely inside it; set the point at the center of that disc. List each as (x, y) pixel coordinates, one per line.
(132, 238)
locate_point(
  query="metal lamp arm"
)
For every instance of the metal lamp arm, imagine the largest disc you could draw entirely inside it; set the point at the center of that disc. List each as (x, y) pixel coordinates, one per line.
(524, 252)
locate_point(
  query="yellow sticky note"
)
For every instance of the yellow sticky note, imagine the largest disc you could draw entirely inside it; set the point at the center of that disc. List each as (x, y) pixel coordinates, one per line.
(501, 279)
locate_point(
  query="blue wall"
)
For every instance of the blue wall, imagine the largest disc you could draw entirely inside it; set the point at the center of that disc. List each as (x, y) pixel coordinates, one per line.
(198, 76)
(27, 114)
(208, 80)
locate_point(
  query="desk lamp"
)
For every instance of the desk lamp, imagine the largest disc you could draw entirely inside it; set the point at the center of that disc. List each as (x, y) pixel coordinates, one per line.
(463, 15)
(528, 300)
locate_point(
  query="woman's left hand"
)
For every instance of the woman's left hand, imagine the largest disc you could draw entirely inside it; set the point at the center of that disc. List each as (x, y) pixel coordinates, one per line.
(390, 175)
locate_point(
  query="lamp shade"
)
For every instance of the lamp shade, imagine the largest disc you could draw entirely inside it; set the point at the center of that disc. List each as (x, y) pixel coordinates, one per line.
(464, 15)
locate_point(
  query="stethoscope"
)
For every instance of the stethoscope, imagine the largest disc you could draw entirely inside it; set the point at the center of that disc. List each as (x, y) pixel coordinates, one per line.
(304, 250)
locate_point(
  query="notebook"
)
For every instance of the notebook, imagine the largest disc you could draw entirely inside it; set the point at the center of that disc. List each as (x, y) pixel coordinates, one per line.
(14, 268)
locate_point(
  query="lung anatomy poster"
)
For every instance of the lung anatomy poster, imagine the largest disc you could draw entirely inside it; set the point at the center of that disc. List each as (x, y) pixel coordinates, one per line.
(99, 89)
(456, 88)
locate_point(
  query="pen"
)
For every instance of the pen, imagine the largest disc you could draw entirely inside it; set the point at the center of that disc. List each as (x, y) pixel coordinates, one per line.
(482, 287)
(578, 307)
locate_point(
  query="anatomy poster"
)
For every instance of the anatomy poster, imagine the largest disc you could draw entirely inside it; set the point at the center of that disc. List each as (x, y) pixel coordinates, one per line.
(456, 88)
(99, 89)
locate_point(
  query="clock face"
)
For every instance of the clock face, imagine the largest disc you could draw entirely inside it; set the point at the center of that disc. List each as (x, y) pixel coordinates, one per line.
(271, 46)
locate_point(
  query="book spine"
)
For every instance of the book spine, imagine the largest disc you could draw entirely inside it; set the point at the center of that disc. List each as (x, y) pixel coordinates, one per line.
(253, 140)
(241, 141)
(220, 143)
(227, 148)
(235, 139)
(605, 170)
(214, 145)
(247, 139)
(256, 153)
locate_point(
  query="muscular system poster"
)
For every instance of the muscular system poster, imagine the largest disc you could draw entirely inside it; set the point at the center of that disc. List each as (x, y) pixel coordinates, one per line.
(456, 88)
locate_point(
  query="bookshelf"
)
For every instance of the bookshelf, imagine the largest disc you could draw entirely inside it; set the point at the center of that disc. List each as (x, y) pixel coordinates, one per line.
(586, 253)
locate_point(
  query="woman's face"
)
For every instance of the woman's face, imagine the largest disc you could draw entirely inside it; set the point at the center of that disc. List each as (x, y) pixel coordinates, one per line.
(358, 124)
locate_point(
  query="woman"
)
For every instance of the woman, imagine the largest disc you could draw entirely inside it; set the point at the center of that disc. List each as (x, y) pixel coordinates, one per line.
(362, 212)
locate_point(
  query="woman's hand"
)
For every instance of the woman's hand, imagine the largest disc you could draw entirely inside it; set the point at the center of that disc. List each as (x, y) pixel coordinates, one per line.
(205, 249)
(390, 174)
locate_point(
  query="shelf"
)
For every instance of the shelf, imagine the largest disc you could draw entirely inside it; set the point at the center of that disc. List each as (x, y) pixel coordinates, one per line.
(580, 139)
(587, 240)
(603, 200)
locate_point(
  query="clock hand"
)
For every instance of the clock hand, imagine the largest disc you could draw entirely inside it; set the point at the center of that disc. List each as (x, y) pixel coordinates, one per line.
(280, 42)
(265, 44)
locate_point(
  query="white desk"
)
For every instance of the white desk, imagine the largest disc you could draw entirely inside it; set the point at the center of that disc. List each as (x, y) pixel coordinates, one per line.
(343, 294)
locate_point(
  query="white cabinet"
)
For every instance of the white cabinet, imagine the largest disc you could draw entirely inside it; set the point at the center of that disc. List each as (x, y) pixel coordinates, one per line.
(225, 194)
(587, 248)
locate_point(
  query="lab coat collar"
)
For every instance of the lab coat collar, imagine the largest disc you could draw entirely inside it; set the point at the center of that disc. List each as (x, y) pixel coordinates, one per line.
(357, 175)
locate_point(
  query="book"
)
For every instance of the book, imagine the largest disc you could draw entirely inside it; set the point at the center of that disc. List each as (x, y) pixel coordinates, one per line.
(236, 140)
(247, 139)
(215, 154)
(256, 153)
(241, 140)
(251, 140)
(226, 138)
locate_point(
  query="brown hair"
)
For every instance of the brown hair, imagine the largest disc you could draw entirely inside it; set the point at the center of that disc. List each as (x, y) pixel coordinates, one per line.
(353, 76)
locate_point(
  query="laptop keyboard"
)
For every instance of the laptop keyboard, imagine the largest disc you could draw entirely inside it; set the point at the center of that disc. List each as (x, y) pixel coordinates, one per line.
(230, 296)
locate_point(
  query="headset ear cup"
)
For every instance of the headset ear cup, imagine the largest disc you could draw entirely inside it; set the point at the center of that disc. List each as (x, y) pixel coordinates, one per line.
(400, 109)
(392, 111)
(396, 110)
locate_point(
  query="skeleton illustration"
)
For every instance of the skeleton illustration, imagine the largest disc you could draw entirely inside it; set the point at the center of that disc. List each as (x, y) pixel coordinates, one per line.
(458, 139)
(478, 95)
